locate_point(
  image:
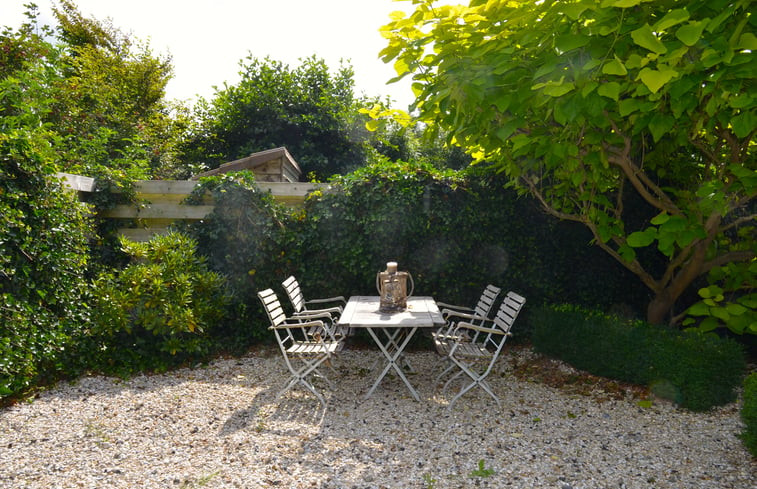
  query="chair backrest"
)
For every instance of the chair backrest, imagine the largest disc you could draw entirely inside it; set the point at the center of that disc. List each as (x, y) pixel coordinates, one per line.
(509, 310)
(292, 288)
(272, 306)
(486, 302)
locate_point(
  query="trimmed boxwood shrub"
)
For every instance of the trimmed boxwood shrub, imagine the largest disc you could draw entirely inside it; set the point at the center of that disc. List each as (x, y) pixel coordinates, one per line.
(749, 414)
(696, 371)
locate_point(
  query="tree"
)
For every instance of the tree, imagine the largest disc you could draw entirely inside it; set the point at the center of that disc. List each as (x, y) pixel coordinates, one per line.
(110, 107)
(584, 102)
(307, 109)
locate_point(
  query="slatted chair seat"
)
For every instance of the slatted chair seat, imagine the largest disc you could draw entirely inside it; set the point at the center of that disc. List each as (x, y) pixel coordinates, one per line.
(306, 344)
(310, 348)
(472, 355)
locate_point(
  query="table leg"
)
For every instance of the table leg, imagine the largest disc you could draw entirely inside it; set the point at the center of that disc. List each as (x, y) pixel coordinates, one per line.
(392, 342)
(392, 358)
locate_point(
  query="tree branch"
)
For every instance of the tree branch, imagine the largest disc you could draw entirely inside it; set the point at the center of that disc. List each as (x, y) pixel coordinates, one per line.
(649, 191)
(720, 260)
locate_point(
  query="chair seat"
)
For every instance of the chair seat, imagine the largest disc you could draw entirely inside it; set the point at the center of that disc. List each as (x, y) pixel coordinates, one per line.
(463, 349)
(314, 348)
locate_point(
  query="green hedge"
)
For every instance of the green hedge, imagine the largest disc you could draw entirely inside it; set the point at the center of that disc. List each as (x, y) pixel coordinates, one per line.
(749, 413)
(455, 231)
(694, 370)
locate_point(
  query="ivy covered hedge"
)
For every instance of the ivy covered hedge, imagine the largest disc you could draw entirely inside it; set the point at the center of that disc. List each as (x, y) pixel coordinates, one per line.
(455, 231)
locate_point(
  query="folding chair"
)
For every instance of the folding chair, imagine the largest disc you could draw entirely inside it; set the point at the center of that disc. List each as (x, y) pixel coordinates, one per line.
(475, 357)
(305, 344)
(477, 315)
(300, 305)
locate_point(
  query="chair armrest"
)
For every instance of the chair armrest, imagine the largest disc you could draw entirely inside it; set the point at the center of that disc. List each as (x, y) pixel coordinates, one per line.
(298, 316)
(287, 325)
(328, 299)
(310, 312)
(481, 329)
(452, 306)
(462, 315)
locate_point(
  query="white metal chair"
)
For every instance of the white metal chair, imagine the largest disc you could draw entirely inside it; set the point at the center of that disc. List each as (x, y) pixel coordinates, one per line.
(304, 343)
(475, 356)
(477, 315)
(300, 305)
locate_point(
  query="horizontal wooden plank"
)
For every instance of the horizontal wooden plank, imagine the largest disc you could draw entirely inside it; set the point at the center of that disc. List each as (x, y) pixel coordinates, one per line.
(165, 186)
(141, 234)
(161, 211)
(291, 189)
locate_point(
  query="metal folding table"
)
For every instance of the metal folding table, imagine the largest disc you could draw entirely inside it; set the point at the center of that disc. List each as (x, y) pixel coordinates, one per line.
(397, 328)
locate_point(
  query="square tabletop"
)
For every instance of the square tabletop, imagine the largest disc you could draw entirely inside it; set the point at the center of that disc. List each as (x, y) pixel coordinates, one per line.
(363, 312)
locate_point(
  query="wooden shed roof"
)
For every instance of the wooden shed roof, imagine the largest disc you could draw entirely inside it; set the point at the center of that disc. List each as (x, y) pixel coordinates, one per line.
(253, 161)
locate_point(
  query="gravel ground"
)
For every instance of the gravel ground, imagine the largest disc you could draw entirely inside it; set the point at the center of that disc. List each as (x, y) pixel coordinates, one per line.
(221, 426)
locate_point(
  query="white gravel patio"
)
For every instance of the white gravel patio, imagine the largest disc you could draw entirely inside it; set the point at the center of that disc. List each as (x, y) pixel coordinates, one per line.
(221, 426)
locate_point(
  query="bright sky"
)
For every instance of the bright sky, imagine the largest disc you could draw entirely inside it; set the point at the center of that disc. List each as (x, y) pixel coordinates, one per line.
(208, 38)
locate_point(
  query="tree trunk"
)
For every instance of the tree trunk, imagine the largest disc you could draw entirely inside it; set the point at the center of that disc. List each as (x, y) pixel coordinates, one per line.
(659, 308)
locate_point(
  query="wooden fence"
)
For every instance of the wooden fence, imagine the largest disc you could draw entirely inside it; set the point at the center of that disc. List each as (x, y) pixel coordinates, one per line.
(160, 203)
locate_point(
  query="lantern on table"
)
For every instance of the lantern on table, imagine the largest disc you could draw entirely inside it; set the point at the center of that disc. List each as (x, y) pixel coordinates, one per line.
(392, 288)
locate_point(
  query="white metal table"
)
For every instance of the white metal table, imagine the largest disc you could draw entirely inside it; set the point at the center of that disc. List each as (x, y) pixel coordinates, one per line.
(397, 328)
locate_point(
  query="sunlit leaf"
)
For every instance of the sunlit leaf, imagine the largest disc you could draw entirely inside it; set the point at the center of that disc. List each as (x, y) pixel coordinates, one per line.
(671, 18)
(610, 90)
(747, 41)
(690, 33)
(644, 37)
(640, 239)
(614, 67)
(655, 79)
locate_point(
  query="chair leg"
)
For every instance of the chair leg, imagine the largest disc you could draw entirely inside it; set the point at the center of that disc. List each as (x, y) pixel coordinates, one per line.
(477, 380)
(300, 376)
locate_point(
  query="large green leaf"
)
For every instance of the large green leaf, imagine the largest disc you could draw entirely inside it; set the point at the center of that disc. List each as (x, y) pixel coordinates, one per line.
(655, 79)
(640, 239)
(570, 42)
(646, 38)
(610, 90)
(615, 67)
(747, 41)
(660, 124)
(671, 18)
(744, 123)
(690, 33)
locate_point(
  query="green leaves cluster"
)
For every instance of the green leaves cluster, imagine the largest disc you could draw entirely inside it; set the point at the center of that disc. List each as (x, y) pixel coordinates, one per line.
(165, 301)
(251, 240)
(584, 102)
(43, 237)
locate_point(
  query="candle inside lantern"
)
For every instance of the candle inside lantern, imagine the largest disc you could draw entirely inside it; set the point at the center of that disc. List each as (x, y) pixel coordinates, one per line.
(391, 267)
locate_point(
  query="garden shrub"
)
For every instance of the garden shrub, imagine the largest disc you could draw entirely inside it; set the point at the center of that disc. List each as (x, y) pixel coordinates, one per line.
(43, 242)
(165, 304)
(696, 371)
(749, 413)
(249, 239)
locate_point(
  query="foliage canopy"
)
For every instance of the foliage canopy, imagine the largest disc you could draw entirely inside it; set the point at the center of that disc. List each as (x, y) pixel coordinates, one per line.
(583, 102)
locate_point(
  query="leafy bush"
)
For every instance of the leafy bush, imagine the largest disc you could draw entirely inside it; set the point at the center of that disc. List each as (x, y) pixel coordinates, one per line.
(749, 414)
(165, 302)
(695, 370)
(43, 241)
(249, 239)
